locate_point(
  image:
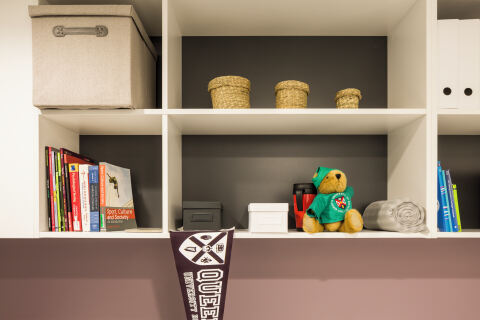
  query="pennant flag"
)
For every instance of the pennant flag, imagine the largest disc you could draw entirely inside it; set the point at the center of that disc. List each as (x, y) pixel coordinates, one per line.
(203, 261)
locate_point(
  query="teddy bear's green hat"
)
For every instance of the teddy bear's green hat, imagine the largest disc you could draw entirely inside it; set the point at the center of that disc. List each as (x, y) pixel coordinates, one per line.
(321, 173)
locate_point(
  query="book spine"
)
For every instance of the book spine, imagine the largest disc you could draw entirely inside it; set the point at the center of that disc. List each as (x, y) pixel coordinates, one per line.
(84, 197)
(68, 200)
(66, 214)
(57, 193)
(101, 175)
(60, 193)
(457, 207)
(94, 198)
(451, 203)
(47, 181)
(446, 204)
(440, 212)
(75, 197)
(53, 185)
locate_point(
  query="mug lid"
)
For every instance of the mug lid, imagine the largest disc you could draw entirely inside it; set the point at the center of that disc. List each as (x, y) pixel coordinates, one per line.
(306, 188)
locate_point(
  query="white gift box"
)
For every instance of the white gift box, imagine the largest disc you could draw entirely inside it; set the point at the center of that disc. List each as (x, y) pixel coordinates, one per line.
(268, 217)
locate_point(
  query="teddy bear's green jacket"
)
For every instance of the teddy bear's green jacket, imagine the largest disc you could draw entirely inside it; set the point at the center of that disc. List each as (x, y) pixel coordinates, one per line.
(332, 207)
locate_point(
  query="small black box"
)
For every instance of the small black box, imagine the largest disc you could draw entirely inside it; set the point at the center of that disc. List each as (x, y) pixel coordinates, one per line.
(202, 215)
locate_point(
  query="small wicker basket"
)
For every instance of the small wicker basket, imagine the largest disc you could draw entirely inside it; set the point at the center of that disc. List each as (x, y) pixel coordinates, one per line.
(348, 98)
(230, 92)
(291, 94)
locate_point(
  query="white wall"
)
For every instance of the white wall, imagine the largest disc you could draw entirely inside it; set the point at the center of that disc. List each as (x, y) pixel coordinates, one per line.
(18, 123)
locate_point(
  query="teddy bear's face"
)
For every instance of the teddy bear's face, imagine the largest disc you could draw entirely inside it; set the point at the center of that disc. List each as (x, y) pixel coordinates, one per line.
(334, 181)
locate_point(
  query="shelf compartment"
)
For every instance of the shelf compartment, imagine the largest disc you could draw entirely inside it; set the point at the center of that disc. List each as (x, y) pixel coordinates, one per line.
(126, 122)
(389, 70)
(220, 165)
(327, 64)
(141, 154)
(461, 154)
(238, 170)
(458, 122)
(292, 121)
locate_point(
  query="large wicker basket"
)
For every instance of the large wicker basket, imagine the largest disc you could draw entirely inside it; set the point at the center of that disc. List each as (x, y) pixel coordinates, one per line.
(348, 98)
(291, 94)
(230, 92)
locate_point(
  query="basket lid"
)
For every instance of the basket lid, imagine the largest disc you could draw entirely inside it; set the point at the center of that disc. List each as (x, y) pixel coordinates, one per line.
(292, 84)
(232, 81)
(348, 92)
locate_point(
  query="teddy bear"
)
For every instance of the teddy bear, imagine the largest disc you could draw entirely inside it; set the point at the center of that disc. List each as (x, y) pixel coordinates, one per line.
(331, 210)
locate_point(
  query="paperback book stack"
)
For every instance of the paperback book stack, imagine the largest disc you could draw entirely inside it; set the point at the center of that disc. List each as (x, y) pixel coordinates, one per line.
(448, 209)
(83, 195)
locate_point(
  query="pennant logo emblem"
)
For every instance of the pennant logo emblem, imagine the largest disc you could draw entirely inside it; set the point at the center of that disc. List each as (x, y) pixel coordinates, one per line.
(205, 249)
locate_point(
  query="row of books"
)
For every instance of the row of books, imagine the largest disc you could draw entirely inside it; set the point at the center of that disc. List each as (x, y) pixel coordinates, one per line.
(83, 195)
(448, 208)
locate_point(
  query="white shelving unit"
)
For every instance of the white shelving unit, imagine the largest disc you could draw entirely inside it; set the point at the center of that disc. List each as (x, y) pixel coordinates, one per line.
(410, 119)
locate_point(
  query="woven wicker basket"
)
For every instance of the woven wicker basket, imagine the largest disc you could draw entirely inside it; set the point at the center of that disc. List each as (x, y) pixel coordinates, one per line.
(230, 92)
(291, 94)
(348, 98)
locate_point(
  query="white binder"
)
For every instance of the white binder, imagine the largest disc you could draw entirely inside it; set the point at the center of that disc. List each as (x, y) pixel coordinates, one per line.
(469, 65)
(448, 63)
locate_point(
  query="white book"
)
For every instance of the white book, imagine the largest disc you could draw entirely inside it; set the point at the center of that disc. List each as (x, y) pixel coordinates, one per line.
(84, 196)
(469, 65)
(448, 63)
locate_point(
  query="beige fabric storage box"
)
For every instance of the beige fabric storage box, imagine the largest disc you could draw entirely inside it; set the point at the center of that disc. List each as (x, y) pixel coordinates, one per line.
(91, 56)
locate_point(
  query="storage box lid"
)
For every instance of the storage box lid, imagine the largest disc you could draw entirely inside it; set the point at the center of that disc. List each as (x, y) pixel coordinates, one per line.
(268, 207)
(202, 205)
(94, 10)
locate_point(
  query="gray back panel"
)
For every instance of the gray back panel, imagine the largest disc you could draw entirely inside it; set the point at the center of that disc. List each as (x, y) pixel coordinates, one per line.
(238, 170)
(461, 155)
(157, 42)
(143, 156)
(327, 64)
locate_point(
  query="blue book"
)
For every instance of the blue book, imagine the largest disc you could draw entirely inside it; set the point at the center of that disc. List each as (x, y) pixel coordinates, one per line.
(442, 216)
(94, 193)
(446, 206)
(451, 203)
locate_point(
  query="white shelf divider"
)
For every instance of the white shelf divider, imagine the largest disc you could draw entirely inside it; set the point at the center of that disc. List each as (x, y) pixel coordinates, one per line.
(104, 235)
(292, 121)
(459, 122)
(108, 122)
(365, 234)
(466, 233)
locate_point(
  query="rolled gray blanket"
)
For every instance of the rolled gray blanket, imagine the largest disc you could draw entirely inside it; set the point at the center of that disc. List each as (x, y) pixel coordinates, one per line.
(395, 215)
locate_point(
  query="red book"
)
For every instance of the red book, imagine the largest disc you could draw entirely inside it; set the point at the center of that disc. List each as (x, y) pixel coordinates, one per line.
(51, 178)
(68, 157)
(67, 209)
(75, 197)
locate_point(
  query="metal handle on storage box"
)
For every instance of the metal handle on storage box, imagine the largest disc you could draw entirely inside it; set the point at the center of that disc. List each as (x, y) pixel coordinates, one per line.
(61, 31)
